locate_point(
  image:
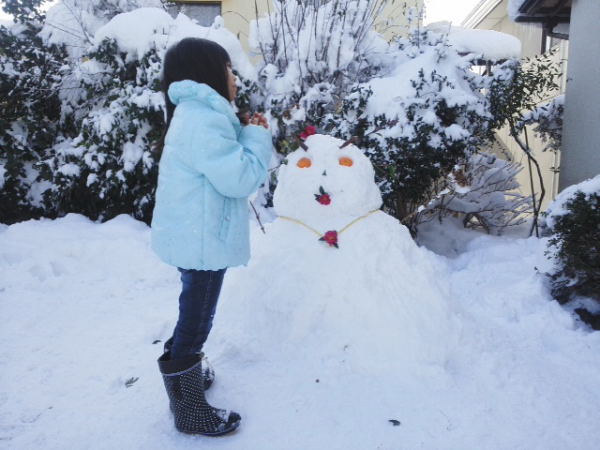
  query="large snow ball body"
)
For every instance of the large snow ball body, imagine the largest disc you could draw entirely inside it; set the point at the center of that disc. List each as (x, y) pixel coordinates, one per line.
(344, 175)
(375, 301)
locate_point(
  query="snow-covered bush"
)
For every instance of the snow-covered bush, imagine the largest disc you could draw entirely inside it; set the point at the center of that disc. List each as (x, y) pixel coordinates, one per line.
(413, 105)
(109, 168)
(573, 220)
(547, 122)
(98, 158)
(313, 52)
(430, 114)
(30, 110)
(481, 190)
(514, 91)
(75, 22)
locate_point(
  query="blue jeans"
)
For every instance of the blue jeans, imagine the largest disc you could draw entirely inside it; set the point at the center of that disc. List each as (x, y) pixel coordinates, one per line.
(197, 304)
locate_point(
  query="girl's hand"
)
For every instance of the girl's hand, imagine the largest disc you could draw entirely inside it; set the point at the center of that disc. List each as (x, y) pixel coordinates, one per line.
(259, 119)
(244, 118)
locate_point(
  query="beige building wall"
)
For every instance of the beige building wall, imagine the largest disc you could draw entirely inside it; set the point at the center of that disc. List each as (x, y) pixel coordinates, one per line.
(237, 14)
(531, 41)
(393, 20)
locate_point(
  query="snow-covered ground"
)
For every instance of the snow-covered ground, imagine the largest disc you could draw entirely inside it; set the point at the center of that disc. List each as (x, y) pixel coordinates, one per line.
(82, 305)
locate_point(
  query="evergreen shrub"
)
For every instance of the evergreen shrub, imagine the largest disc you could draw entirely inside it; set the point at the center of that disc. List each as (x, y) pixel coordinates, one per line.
(575, 249)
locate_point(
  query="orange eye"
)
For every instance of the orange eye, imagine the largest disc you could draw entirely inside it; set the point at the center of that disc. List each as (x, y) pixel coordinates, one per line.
(345, 161)
(304, 163)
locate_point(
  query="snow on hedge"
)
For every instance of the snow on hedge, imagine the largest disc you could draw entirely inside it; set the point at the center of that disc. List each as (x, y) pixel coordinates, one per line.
(151, 28)
(74, 22)
(2, 173)
(489, 44)
(557, 207)
(310, 53)
(418, 66)
(389, 92)
(144, 25)
(142, 29)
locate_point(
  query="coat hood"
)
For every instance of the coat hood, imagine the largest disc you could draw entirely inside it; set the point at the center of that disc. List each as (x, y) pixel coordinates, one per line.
(185, 90)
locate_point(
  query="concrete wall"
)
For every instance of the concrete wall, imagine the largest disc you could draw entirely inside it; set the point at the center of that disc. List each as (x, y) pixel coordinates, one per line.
(581, 136)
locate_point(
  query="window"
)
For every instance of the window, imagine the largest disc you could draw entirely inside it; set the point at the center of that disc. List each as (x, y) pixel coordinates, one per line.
(203, 12)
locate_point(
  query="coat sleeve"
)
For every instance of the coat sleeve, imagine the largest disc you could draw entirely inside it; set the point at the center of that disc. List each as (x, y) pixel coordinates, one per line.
(235, 166)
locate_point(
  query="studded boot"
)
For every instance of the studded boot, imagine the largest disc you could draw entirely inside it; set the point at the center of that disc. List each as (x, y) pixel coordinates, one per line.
(208, 372)
(184, 383)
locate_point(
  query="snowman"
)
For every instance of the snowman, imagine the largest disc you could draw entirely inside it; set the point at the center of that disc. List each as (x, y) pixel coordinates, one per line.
(334, 277)
(327, 187)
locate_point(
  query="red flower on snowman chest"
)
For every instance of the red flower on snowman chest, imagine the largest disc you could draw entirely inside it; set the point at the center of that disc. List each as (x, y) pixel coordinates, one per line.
(331, 238)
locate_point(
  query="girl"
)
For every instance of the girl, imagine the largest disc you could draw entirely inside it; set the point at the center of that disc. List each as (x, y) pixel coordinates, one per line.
(209, 166)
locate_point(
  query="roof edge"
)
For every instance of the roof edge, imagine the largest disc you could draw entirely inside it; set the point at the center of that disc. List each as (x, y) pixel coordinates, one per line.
(479, 13)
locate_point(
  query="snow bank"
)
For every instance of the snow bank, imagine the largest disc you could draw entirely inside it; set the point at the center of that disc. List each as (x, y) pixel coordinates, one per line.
(491, 45)
(87, 301)
(557, 207)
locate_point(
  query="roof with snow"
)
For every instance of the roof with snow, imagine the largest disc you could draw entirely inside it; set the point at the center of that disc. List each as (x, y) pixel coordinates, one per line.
(489, 45)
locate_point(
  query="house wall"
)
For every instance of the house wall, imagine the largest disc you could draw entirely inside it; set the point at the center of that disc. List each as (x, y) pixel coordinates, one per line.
(237, 14)
(581, 137)
(393, 20)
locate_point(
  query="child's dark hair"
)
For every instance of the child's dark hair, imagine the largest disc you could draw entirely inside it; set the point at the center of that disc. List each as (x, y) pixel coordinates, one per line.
(198, 60)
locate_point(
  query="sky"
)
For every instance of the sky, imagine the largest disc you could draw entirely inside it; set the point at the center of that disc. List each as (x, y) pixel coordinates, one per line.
(452, 10)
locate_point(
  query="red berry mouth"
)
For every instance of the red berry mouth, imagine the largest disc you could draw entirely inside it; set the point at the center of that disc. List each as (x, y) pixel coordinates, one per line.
(323, 197)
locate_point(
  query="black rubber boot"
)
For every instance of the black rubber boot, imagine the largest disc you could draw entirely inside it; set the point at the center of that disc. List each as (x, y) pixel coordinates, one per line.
(184, 384)
(207, 370)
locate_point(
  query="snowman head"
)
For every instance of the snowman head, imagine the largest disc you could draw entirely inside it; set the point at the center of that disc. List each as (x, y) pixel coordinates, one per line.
(326, 181)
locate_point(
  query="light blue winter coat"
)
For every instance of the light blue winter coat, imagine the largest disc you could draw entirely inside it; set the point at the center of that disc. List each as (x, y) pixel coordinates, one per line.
(209, 166)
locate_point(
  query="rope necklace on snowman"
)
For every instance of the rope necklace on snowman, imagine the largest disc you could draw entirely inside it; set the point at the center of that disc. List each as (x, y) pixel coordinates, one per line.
(331, 236)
